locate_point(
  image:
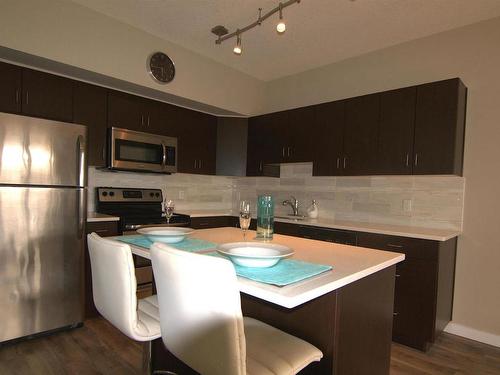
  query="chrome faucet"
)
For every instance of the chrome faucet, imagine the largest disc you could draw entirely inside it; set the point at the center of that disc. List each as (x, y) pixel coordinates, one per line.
(294, 203)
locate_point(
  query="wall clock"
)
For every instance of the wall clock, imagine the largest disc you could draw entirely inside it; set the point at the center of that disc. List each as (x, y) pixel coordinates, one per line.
(161, 67)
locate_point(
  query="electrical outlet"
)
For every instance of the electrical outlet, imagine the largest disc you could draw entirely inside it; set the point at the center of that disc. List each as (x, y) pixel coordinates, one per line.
(407, 205)
(182, 195)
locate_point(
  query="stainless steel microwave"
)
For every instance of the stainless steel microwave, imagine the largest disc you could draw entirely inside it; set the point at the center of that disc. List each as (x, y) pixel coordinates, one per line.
(137, 151)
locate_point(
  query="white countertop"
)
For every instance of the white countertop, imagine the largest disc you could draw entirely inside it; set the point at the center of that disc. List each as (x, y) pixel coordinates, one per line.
(96, 217)
(388, 229)
(350, 263)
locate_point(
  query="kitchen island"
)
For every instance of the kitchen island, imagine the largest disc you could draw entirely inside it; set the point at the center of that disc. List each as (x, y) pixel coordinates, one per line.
(346, 312)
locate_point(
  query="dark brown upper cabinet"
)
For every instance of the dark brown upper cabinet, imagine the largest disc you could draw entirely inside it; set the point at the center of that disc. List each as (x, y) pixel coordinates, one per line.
(440, 127)
(397, 125)
(267, 141)
(361, 135)
(90, 109)
(299, 135)
(196, 142)
(10, 88)
(47, 96)
(328, 137)
(127, 111)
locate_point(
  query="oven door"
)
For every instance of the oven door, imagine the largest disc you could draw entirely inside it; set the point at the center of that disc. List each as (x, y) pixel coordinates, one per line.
(131, 150)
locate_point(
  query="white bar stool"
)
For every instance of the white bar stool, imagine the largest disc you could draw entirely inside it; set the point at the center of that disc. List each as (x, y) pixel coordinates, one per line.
(114, 291)
(202, 323)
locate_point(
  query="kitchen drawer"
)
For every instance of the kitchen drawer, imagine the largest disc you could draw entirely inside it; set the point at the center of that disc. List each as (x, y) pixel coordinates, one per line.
(144, 290)
(328, 235)
(144, 275)
(211, 222)
(413, 248)
(103, 228)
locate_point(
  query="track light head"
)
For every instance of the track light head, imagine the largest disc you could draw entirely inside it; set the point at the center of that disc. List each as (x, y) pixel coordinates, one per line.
(237, 48)
(281, 26)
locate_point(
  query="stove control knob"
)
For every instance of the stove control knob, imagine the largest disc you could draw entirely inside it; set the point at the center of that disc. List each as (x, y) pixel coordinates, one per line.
(152, 194)
(104, 193)
(111, 193)
(157, 195)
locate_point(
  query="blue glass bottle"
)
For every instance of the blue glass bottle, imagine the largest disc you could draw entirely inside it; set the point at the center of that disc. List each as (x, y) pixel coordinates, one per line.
(265, 217)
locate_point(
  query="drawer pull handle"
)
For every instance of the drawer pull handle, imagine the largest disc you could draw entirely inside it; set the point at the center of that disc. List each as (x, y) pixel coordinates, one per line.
(395, 313)
(397, 275)
(101, 231)
(394, 245)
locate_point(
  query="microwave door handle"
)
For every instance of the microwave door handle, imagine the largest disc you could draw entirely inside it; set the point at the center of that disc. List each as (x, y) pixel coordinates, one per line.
(164, 157)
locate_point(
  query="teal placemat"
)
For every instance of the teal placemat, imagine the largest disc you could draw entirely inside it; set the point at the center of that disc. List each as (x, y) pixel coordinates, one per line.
(285, 272)
(188, 244)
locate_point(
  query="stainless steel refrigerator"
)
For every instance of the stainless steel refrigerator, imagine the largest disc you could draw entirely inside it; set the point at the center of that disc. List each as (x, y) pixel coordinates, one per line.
(42, 218)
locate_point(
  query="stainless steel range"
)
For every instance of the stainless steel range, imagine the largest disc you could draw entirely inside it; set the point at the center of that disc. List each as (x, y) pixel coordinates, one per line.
(136, 208)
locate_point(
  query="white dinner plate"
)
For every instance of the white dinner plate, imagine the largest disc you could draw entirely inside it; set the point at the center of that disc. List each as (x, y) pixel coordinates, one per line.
(254, 254)
(165, 234)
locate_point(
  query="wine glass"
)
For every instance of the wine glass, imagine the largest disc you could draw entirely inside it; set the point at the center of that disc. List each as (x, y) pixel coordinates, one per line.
(245, 217)
(169, 209)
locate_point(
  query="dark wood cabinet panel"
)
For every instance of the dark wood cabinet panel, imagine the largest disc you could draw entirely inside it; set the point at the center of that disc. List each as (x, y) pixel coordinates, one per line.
(361, 134)
(47, 96)
(397, 125)
(300, 134)
(424, 286)
(266, 142)
(440, 127)
(328, 136)
(90, 109)
(126, 111)
(212, 222)
(10, 88)
(197, 142)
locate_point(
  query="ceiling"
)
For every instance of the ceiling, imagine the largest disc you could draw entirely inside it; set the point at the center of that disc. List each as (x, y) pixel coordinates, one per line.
(319, 32)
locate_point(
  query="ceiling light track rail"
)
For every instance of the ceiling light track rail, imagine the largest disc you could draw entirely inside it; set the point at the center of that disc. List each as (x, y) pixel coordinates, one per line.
(260, 19)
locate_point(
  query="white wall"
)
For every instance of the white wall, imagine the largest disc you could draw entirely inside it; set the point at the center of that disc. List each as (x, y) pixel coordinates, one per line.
(71, 34)
(473, 54)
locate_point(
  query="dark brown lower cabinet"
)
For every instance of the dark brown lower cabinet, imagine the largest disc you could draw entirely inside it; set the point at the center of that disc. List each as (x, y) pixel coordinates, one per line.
(213, 222)
(423, 298)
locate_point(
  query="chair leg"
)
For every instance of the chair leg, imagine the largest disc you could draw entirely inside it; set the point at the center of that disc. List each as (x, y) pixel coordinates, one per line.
(146, 362)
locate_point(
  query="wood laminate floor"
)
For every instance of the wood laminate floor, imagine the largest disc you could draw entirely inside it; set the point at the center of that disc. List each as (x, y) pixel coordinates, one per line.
(98, 348)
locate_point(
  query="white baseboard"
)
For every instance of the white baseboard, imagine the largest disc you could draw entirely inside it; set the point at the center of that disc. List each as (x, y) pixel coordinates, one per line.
(473, 334)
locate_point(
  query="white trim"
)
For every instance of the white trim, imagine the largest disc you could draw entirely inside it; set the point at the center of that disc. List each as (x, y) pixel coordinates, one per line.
(473, 334)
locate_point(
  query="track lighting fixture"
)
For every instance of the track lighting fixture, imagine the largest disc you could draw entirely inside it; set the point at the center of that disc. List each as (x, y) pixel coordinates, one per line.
(223, 34)
(237, 47)
(281, 27)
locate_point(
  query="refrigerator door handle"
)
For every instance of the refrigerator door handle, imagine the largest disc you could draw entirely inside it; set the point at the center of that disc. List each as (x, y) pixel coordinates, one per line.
(82, 212)
(80, 149)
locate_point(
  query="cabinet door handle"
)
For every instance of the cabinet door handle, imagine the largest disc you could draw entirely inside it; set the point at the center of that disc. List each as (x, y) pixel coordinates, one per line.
(416, 160)
(395, 245)
(199, 163)
(407, 159)
(338, 162)
(17, 96)
(395, 313)
(142, 120)
(260, 166)
(288, 151)
(148, 122)
(397, 275)
(345, 162)
(194, 163)
(27, 96)
(283, 151)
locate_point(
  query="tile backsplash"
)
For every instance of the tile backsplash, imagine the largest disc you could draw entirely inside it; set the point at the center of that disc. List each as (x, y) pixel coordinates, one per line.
(423, 201)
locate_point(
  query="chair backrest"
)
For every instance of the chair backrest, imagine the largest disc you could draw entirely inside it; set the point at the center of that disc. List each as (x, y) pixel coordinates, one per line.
(200, 310)
(113, 283)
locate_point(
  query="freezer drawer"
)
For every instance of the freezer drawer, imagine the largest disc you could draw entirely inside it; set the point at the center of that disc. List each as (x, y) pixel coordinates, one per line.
(41, 259)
